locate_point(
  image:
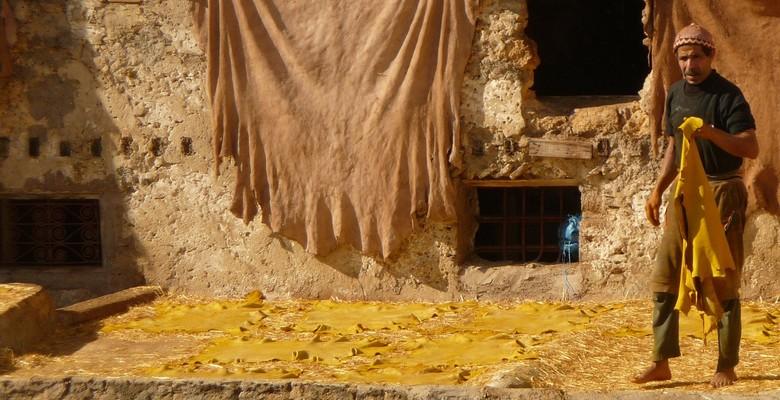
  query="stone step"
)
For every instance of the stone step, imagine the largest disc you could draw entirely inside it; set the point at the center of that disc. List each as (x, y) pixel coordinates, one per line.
(104, 306)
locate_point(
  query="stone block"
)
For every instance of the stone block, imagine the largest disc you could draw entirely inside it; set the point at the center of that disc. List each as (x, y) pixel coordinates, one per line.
(104, 306)
(26, 314)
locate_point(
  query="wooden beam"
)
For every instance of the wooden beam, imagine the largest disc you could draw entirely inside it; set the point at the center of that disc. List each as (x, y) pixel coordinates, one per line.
(520, 182)
(560, 149)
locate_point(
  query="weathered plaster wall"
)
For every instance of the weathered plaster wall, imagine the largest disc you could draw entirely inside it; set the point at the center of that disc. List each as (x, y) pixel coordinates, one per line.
(132, 75)
(501, 114)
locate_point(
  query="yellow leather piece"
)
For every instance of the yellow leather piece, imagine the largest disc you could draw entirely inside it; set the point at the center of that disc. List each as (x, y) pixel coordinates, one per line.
(409, 343)
(406, 343)
(706, 254)
(334, 316)
(227, 317)
(760, 325)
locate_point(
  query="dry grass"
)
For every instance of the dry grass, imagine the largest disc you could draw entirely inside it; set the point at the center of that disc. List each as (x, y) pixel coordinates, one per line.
(603, 358)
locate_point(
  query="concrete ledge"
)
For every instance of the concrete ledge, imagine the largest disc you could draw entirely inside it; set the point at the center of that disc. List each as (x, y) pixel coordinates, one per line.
(104, 306)
(148, 388)
(144, 388)
(26, 313)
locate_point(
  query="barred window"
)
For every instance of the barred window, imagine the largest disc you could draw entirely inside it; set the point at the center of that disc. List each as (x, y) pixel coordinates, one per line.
(523, 224)
(49, 232)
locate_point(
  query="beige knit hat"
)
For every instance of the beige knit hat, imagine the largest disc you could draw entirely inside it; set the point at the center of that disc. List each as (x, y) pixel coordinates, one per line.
(694, 34)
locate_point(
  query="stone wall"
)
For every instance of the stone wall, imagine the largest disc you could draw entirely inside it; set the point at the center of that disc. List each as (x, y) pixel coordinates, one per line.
(501, 115)
(132, 76)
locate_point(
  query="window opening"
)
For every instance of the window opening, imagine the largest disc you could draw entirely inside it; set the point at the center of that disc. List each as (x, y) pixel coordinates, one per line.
(525, 224)
(65, 149)
(126, 145)
(49, 232)
(96, 147)
(588, 47)
(5, 147)
(34, 147)
(158, 147)
(186, 146)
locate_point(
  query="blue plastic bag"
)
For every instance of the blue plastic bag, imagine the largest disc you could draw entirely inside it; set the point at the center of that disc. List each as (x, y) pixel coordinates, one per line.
(569, 238)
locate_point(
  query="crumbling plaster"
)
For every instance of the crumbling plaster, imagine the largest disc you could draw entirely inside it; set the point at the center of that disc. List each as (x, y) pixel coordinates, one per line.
(613, 188)
(501, 114)
(133, 76)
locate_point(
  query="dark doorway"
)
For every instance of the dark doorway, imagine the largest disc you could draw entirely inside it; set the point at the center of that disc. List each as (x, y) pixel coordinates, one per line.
(588, 47)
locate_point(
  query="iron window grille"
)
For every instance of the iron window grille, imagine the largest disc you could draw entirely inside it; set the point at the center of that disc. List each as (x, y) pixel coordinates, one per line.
(521, 224)
(50, 232)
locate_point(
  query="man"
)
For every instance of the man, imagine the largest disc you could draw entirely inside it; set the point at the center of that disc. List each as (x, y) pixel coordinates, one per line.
(728, 136)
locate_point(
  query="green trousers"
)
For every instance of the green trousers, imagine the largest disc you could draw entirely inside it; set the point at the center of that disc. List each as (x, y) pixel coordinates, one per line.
(666, 330)
(731, 198)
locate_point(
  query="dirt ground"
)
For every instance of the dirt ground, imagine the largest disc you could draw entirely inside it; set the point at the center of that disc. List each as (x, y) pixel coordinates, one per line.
(570, 346)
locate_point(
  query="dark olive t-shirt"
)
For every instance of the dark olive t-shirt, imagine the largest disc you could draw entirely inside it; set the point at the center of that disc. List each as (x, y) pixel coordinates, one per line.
(717, 101)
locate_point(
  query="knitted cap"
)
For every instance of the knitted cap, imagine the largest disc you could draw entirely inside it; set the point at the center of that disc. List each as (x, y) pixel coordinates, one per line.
(694, 34)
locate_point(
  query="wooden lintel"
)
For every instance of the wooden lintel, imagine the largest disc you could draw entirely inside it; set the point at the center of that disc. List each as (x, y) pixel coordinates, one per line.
(560, 149)
(520, 182)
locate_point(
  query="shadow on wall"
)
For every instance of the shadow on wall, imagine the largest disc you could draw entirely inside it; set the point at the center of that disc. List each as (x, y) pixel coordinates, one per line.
(52, 100)
(427, 259)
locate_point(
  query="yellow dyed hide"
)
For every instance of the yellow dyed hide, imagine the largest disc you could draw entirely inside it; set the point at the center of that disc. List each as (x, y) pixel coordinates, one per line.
(407, 343)
(706, 253)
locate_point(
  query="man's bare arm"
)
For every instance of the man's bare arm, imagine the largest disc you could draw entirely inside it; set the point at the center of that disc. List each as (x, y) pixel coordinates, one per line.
(665, 178)
(743, 144)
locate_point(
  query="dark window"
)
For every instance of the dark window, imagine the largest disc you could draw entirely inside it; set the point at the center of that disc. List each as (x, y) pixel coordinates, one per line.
(523, 224)
(49, 232)
(96, 147)
(588, 47)
(5, 146)
(158, 147)
(126, 145)
(34, 147)
(65, 149)
(186, 146)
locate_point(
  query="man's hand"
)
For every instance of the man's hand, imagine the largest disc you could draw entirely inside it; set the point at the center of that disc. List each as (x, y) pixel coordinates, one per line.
(653, 208)
(705, 132)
